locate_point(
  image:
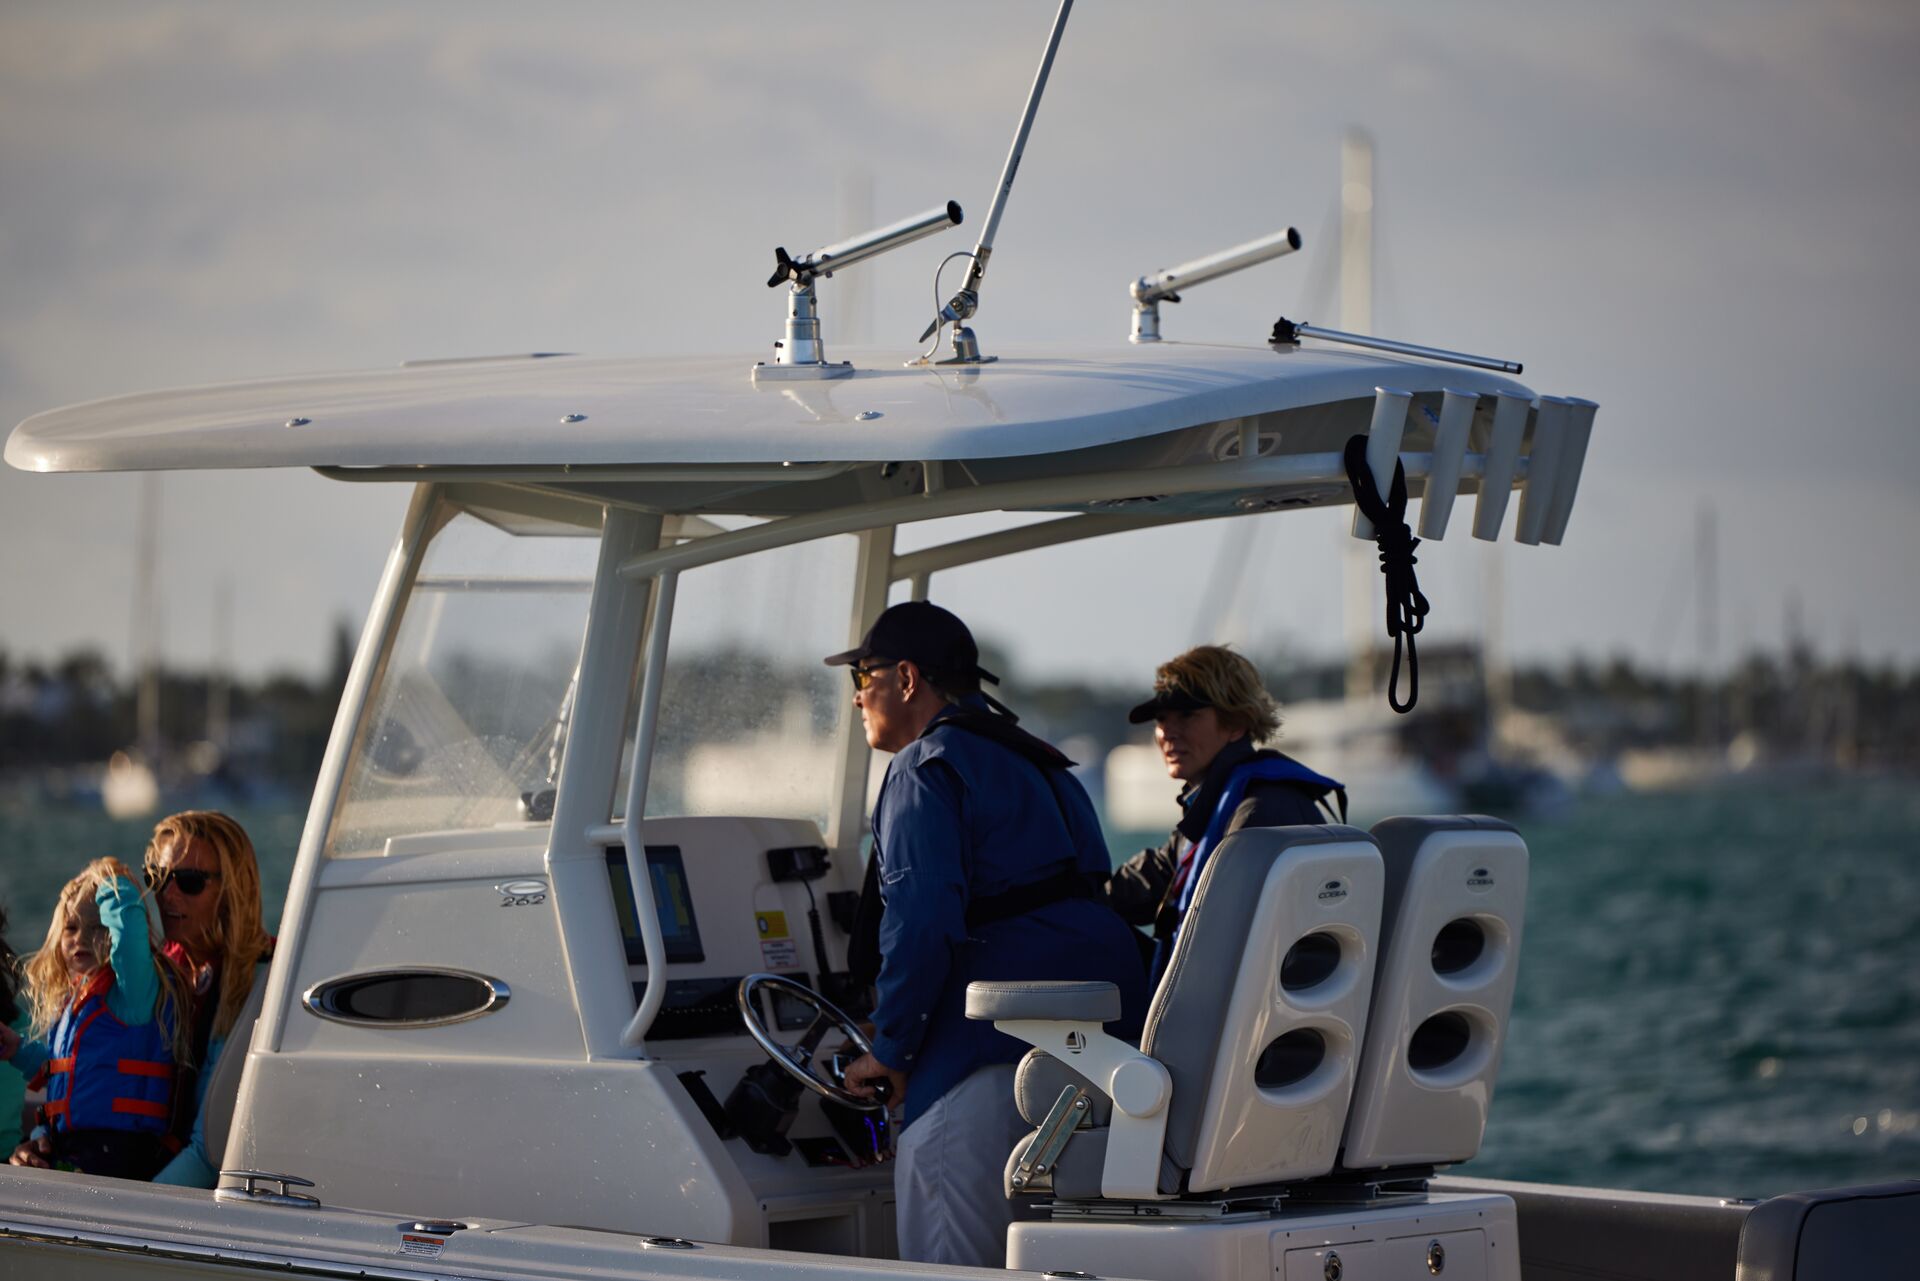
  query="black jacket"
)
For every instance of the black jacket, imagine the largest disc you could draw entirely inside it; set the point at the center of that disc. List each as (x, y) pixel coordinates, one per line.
(1140, 889)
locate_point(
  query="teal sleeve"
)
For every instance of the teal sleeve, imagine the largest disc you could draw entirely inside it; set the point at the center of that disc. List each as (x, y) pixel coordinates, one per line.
(136, 988)
(13, 1092)
(190, 1167)
(31, 1056)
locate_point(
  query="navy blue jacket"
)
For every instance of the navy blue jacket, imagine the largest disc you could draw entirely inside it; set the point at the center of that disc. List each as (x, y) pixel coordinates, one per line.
(960, 817)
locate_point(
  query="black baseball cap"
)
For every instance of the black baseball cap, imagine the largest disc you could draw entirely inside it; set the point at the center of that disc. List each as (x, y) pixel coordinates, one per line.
(920, 632)
(1171, 699)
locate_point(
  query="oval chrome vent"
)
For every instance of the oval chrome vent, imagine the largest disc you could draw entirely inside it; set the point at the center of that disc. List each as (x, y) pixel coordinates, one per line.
(406, 997)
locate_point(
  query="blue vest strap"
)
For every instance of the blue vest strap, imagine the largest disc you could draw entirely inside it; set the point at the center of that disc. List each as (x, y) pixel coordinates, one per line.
(1274, 768)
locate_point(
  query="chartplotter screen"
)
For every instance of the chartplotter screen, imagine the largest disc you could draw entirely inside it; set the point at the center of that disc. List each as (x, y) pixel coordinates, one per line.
(679, 928)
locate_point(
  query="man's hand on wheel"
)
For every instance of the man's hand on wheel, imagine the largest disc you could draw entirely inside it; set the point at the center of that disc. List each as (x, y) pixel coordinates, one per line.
(866, 1071)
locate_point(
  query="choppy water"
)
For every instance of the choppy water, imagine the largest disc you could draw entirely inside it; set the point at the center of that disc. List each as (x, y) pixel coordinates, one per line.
(1719, 991)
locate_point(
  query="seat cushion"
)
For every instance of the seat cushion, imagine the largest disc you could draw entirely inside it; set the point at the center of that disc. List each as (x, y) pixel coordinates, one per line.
(1077, 1002)
(1038, 1082)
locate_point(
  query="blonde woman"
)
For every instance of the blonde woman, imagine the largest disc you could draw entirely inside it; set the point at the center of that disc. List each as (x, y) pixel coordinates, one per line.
(108, 1032)
(201, 868)
(1210, 712)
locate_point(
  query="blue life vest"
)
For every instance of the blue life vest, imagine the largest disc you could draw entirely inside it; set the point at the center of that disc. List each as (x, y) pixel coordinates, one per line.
(104, 1075)
(1275, 768)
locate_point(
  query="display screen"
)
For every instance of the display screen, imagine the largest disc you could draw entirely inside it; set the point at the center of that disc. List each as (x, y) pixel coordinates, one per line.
(678, 928)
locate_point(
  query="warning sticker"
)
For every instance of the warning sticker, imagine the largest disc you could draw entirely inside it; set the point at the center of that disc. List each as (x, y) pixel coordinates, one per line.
(421, 1247)
(773, 925)
(780, 954)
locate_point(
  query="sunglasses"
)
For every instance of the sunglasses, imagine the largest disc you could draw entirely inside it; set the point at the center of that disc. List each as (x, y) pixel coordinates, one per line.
(191, 880)
(863, 676)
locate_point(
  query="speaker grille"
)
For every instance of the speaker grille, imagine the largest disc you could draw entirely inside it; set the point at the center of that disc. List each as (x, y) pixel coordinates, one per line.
(1439, 1041)
(1310, 962)
(1290, 1059)
(1458, 945)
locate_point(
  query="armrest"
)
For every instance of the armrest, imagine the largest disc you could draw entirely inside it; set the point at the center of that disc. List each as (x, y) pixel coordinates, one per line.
(1073, 1001)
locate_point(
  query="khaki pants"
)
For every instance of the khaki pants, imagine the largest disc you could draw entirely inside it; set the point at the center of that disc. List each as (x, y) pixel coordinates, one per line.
(949, 1175)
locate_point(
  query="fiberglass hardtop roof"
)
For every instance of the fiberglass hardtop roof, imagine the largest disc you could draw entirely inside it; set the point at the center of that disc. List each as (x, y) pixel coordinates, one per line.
(587, 412)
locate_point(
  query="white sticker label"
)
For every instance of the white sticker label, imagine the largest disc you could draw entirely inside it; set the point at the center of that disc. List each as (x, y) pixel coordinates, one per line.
(780, 954)
(421, 1247)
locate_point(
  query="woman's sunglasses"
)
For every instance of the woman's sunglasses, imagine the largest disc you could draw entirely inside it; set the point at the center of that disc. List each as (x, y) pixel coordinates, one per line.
(863, 676)
(191, 880)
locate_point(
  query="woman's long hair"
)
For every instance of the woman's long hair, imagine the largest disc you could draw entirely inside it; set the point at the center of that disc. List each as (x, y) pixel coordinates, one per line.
(50, 987)
(239, 940)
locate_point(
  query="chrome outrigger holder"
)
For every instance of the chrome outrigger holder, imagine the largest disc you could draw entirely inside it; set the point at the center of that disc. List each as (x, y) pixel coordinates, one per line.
(801, 354)
(1150, 291)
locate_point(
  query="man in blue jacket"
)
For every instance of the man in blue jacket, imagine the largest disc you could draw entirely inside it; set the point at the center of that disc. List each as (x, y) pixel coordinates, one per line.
(990, 866)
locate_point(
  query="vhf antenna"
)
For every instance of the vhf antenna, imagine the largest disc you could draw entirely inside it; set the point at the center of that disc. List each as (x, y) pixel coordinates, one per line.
(801, 355)
(1150, 291)
(1288, 333)
(960, 308)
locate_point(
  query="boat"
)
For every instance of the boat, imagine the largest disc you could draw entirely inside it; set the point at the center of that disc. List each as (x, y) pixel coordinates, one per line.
(549, 1001)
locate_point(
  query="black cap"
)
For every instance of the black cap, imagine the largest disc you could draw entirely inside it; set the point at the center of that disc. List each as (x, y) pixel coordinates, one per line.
(1172, 699)
(922, 633)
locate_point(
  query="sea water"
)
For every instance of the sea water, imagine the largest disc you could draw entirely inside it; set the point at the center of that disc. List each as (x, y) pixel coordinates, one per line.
(1719, 990)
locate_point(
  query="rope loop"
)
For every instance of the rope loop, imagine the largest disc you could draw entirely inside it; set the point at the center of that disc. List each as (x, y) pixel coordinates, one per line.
(1406, 607)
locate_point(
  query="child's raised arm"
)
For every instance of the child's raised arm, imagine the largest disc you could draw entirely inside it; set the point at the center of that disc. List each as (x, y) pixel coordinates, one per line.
(136, 987)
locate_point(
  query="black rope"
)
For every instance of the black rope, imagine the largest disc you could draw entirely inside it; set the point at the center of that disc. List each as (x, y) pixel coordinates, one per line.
(1406, 607)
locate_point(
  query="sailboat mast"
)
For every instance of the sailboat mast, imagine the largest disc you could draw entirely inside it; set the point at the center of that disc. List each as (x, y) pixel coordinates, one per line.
(1706, 566)
(1356, 316)
(145, 645)
(219, 686)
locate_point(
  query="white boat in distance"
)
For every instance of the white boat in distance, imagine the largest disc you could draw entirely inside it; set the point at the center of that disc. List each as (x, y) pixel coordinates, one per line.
(511, 999)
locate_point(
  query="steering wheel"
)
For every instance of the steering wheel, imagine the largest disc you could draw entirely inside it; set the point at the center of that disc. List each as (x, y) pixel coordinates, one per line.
(797, 1058)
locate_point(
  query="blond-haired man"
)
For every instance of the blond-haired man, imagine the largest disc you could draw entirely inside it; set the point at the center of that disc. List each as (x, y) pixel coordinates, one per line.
(1210, 711)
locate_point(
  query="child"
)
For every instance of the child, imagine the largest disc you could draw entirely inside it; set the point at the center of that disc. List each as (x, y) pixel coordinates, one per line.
(107, 1029)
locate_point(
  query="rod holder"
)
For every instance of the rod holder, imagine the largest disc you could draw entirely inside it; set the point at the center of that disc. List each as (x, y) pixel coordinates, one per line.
(1449, 452)
(1573, 458)
(1390, 406)
(1543, 468)
(1510, 414)
(800, 354)
(1162, 286)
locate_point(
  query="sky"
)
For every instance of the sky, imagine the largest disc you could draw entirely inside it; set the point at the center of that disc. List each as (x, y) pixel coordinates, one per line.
(1700, 216)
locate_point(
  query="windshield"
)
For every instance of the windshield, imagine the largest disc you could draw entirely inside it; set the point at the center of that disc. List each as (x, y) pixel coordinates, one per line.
(463, 722)
(749, 721)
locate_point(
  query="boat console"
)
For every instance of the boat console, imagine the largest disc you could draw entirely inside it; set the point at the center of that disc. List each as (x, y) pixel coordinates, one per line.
(500, 1103)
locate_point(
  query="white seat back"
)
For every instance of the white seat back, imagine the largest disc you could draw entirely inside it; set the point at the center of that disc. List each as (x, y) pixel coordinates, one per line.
(1261, 1015)
(1456, 891)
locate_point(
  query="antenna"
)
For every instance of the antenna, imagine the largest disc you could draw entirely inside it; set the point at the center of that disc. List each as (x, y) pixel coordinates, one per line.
(801, 355)
(1150, 291)
(1288, 333)
(960, 308)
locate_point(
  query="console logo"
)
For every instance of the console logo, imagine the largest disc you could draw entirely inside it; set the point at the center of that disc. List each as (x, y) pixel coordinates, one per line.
(521, 893)
(1333, 891)
(1482, 879)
